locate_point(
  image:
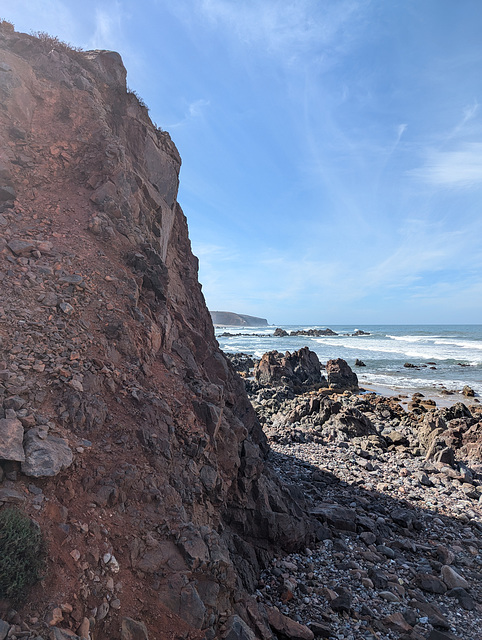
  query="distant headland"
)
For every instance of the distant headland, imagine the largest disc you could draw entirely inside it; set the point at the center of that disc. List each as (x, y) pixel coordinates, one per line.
(229, 319)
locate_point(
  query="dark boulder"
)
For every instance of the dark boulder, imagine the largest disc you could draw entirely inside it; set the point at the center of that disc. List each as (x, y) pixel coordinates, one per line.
(299, 370)
(340, 376)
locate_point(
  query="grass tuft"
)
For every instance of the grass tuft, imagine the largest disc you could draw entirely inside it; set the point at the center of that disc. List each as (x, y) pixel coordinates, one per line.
(22, 554)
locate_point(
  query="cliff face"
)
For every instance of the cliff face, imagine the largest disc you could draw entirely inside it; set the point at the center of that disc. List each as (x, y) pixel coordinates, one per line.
(237, 319)
(124, 432)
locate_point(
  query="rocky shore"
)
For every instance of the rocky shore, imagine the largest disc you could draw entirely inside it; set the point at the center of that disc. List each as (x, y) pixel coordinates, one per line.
(397, 496)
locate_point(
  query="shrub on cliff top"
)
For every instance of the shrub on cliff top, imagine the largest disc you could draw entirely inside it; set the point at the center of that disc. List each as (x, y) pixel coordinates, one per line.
(22, 554)
(6, 25)
(49, 42)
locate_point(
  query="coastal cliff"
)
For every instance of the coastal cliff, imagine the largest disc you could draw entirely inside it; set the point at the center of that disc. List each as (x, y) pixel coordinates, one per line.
(124, 432)
(230, 319)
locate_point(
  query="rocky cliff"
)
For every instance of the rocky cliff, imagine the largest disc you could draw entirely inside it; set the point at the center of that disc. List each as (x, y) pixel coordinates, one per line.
(124, 432)
(227, 318)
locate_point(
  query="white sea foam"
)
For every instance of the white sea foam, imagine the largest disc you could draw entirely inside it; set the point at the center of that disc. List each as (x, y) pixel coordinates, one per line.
(384, 353)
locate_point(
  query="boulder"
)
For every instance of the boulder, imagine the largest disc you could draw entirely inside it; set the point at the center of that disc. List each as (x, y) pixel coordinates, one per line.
(21, 247)
(452, 579)
(286, 627)
(351, 422)
(280, 333)
(300, 369)
(4, 629)
(7, 193)
(241, 362)
(237, 629)
(45, 455)
(133, 630)
(11, 496)
(340, 375)
(11, 439)
(336, 516)
(430, 583)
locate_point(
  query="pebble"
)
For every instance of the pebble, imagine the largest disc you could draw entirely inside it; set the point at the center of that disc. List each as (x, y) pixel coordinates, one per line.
(410, 565)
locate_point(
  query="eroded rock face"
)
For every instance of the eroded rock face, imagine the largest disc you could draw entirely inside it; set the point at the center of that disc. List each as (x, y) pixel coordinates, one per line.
(105, 335)
(300, 369)
(340, 375)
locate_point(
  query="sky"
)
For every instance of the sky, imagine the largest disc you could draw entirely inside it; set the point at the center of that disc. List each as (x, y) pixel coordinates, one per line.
(332, 149)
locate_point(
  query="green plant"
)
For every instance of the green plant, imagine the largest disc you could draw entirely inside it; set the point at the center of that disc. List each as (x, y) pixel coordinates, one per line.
(22, 554)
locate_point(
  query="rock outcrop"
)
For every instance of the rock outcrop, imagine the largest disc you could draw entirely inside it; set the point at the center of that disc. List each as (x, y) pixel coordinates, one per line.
(123, 429)
(300, 369)
(340, 375)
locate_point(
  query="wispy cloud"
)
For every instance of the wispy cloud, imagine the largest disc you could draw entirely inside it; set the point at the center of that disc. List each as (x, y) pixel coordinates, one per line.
(108, 27)
(461, 167)
(453, 161)
(468, 114)
(287, 30)
(194, 110)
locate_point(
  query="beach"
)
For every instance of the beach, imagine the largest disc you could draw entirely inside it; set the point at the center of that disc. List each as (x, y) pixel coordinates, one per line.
(395, 483)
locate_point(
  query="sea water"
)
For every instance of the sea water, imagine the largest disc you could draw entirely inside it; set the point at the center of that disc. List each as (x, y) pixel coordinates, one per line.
(445, 356)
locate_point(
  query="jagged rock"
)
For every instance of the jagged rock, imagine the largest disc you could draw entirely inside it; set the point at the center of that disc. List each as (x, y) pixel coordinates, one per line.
(4, 628)
(468, 391)
(241, 362)
(21, 247)
(237, 629)
(430, 583)
(298, 369)
(321, 630)
(7, 193)
(11, 439)
(433, 425)
(337, 516)
(342, 603)
(351, 422)
(313, 333)
(397, 622)
(286, 627)
(464, 598)
(280, 333)
(452, 579)
(340, 376)
(45, 455)
(11, 496)
(133, 630)
(433, 613)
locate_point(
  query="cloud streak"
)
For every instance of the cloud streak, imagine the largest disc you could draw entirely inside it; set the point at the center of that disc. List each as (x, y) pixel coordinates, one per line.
(457, 168)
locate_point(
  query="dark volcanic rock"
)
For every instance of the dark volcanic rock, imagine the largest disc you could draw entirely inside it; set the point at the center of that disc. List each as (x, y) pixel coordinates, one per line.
(300, 369)
(314, 333)
(340, 376)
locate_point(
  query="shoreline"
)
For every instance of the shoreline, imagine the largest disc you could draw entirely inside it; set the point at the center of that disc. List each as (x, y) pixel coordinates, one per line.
(428, 394)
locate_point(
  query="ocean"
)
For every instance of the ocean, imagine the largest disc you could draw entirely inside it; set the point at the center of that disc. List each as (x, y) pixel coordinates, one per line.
(445, 356)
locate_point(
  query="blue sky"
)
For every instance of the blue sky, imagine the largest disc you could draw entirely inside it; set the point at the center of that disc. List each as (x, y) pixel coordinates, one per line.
(332, 149)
